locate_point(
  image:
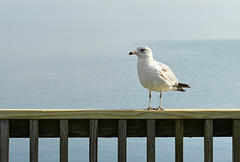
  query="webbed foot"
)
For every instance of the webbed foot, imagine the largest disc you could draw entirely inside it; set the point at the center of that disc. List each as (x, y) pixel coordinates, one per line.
(159, 108)
(149, 108)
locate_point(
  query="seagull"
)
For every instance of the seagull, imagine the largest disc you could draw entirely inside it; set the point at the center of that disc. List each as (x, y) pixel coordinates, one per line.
(155, 76)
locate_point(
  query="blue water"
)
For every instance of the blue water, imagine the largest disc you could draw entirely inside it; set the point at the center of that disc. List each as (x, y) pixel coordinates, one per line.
(104, 78)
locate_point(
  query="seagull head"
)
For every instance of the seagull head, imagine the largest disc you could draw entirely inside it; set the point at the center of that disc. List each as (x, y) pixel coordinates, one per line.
(142, 52)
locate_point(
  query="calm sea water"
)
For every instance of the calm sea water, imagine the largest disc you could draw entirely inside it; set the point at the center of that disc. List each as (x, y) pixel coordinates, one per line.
(105, 78)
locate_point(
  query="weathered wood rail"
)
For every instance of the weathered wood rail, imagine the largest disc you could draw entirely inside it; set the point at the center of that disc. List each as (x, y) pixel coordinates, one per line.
(65, 123)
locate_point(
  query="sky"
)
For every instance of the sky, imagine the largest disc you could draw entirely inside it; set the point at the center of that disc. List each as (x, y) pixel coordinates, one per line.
(54, 26)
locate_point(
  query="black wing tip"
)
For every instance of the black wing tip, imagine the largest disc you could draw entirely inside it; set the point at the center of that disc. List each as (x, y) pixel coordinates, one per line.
(184, 85)
(181, 89)
(180, 86)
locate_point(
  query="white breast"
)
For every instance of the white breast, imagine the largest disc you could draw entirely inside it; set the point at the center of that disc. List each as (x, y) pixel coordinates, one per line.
(150, 76)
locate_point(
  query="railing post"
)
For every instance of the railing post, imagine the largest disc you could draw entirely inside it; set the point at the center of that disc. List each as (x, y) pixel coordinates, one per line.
(122, 140)
(150, 140)
(63, 140)
(208, 140)
(33, 140)
(236, 141)
(93, 140)
(4, 140)
(179, 140)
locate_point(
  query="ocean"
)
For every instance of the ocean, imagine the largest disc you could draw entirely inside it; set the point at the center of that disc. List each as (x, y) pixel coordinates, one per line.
(106, 78)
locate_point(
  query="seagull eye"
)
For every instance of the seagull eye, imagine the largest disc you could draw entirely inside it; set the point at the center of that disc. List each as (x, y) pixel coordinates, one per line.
(142, 50)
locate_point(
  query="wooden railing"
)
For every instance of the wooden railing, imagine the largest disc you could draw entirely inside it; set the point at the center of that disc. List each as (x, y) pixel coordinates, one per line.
(65, 123)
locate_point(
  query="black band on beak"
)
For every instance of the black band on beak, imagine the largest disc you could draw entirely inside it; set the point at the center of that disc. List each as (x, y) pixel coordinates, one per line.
(130, 53)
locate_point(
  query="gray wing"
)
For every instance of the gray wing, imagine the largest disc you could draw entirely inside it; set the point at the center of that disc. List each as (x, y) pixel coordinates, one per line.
(167, 74)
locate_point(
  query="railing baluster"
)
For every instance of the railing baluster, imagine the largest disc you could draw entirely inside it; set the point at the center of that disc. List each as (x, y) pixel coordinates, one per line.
(122, 140)
(33, 140)
(179, 140)
(150, 140)
(4, 140)
(63, 140)
(93, 140)
(208, 140)
(236, 141)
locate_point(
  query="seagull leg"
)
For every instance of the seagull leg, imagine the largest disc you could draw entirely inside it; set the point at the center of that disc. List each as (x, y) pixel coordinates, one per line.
(149, 107)
(160, 101)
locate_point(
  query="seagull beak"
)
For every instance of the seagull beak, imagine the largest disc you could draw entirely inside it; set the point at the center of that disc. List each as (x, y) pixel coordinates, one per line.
(132, 52)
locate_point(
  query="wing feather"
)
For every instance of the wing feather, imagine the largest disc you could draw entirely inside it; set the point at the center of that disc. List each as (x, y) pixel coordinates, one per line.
(167, 73)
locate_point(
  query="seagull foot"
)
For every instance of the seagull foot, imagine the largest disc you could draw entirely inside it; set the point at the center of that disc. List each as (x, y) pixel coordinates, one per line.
(159, 108)
(149, 108)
